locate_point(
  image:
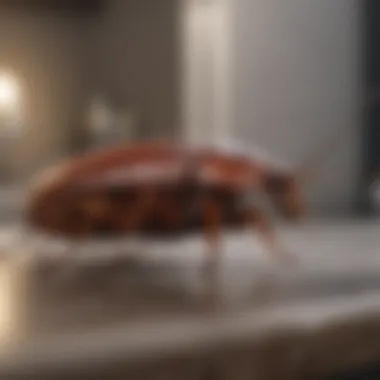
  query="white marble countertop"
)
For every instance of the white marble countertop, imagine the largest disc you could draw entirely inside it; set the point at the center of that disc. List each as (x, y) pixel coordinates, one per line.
(334, 287)
(143, 341)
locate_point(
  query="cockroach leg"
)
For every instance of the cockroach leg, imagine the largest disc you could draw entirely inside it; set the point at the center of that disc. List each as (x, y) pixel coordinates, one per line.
(257, 220)
(212, 224)
(212, 233)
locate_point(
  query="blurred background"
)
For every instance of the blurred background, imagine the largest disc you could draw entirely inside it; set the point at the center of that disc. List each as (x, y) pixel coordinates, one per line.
(282, 75)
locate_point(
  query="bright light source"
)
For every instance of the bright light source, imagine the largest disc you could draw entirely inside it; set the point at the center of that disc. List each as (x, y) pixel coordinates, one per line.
(11, 113)
(9, 92)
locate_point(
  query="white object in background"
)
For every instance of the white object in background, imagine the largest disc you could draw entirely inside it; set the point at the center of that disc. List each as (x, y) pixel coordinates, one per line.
(100, 116)
(206, 70)
(101, 121)
(108, 124)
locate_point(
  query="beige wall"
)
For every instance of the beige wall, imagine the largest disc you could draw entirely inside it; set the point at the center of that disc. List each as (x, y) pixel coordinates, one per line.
(129, 52)
(47, 53)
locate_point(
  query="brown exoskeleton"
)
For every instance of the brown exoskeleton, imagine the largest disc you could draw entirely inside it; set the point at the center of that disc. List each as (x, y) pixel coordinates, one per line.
(165, 186)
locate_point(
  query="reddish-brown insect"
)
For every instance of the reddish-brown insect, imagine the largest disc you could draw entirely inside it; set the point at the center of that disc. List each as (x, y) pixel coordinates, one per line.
(161, 187)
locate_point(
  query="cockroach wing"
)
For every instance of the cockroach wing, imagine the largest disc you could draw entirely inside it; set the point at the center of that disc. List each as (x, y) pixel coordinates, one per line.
(125, 165)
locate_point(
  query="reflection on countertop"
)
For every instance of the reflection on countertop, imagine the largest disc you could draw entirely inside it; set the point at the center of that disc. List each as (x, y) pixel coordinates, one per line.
(84, 288)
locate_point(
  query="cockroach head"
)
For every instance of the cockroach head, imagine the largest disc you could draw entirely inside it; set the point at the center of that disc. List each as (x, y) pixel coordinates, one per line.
(284, 190)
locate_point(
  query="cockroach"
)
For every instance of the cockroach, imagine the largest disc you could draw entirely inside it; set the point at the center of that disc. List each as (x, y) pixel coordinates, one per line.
(167, 187)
